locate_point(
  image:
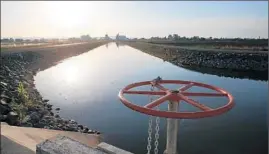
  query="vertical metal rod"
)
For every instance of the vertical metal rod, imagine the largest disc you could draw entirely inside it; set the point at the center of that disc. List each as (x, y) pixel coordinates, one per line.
(172, 129)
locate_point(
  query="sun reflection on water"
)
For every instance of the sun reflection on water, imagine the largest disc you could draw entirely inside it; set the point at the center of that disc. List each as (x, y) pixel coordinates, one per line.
(69, 72)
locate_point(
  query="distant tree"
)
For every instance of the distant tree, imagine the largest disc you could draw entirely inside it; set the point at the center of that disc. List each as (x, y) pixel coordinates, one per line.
(5, 40)
(36, 40)
(11, 40)
(202, 39)
(18, 40)
(42, 40)
(85, 37)
(183, 38)
(175, 37)
(195, 38)
(27, 40)
(107, 37)
(170, 37)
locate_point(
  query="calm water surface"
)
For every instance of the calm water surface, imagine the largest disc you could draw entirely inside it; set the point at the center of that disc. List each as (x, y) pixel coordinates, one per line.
(85, 87)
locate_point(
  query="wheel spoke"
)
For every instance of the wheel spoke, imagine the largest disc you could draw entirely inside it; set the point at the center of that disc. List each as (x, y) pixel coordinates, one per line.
(145, 92)
(203, 94)
(160, 87)
(186, 87)
(158, 101)
(194, 103)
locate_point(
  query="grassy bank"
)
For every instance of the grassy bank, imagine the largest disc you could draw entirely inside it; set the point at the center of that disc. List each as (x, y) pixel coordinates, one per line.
(243, 45)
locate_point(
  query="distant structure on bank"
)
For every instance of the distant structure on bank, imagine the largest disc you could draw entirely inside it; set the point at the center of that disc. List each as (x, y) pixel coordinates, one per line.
(107, 37)
(121, 37)
(85, 37)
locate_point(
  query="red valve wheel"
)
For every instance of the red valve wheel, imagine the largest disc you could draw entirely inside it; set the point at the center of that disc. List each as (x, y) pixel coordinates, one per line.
(181, 94)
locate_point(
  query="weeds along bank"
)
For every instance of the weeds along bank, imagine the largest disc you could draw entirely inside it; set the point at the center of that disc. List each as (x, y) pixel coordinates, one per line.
(21, 104)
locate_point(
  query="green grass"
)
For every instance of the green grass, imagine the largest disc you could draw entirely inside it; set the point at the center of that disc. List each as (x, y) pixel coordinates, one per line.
(22, 107)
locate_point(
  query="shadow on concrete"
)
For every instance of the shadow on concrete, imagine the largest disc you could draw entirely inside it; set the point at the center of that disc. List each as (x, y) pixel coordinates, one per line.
(10, 147)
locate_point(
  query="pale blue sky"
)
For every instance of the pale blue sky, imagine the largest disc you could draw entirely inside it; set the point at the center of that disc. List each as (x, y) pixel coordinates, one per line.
(134, 18)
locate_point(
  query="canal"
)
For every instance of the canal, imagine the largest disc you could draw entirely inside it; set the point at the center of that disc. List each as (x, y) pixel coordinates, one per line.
(86, 89)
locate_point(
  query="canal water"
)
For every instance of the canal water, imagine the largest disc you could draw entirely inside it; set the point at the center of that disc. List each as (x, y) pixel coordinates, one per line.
(86, 89)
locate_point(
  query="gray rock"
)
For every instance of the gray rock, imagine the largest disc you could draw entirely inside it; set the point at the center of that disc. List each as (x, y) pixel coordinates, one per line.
(5, 96)
(71, 128)
(47, 117)
(59, 120)
(86, 129)
(3, 101)
(57, 128)
(57, 109)
(4, 109)
(51, 122)
(33, 108)
(49, 106)
(66, 121)
(2, 77)
(80, 127)
(27, 124)
(44, 112)
(45, 101)
(41, 124)
(73, 121)
(90, 132)
(35, 117)
(12, 118)
(60, 126)
(3, 117)
(46, 127)
(3, 83)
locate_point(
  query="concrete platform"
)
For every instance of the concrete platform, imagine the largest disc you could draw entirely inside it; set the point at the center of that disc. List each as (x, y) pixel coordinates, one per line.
(110, 149)
(10, 147)
(30, 137)
(65, 145)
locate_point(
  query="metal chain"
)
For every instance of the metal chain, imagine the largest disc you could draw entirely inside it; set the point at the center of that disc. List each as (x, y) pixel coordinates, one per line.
(156, 143)
(150, 126)
(157, 127)
(149, 135)
(157, 133)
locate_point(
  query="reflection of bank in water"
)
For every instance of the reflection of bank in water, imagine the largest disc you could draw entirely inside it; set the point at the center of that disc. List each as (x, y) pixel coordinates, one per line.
(119, 44)
(252, 75)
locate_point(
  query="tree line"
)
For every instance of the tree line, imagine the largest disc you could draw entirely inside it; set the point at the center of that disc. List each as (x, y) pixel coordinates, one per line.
(176, 37)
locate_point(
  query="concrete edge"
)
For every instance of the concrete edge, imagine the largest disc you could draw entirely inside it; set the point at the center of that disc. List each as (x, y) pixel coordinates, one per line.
(110, 149)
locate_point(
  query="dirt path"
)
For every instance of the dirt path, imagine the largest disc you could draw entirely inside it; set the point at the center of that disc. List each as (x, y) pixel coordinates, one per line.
(51, 55)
